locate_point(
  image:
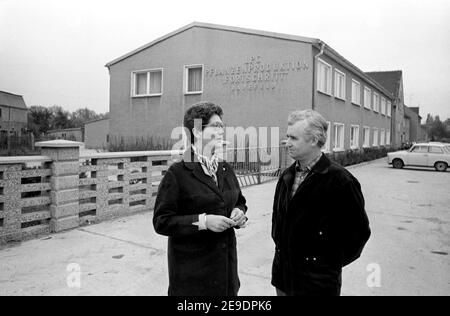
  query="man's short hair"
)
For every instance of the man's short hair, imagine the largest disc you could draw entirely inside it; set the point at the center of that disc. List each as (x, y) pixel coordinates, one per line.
(200, 111)
(316, 125)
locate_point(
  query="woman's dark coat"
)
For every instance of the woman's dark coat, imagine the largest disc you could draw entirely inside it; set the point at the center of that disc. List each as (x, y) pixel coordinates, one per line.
(201, 263)
(321, 229)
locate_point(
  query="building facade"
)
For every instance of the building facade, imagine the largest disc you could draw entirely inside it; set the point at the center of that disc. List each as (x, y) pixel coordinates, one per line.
(73, 134)
(96, 134)
(13, 114)
(257, 77)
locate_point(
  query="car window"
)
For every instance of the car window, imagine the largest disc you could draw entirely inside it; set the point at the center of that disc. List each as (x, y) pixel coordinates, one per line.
(435, 150)
(420, 149)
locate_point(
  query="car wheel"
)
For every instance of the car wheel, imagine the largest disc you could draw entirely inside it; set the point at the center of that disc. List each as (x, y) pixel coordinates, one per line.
(398, 164)
(440, 166)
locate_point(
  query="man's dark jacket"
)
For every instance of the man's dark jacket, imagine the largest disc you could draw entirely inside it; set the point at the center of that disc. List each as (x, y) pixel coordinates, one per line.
(322, 228)
(201, 263)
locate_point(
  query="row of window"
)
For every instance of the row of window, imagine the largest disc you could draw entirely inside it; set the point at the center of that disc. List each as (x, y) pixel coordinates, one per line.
(372, 100)
(148, 83)
(380, 137)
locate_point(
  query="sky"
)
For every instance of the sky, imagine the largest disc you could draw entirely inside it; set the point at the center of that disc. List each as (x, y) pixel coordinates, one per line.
(53, 52)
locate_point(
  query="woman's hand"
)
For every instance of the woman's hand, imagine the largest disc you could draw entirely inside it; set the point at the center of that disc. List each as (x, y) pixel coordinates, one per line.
(238, 216)
(218, 223)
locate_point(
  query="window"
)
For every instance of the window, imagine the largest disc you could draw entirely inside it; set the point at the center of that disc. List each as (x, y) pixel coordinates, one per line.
(382, 137)
(376, 102)
(194, 79)
(388, 137)
(419, 149)
(375, 137)
(366, 136)
(435, 150)
(147, 83)
(389, 108)
(367, 98)
(383, 106)
(323, 77)
(339, 84)
(354, 136)
(326, 147)
(338, 137)
(0, 113)
(356, 92)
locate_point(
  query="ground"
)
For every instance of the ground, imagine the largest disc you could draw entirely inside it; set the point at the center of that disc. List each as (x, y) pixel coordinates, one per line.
(407, 253)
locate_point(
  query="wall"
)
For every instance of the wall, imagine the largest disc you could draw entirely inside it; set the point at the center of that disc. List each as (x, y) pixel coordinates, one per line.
(399, 120)
(215, 49)
(13, 119)
(345, 112)
(95, 134)
(74, 134)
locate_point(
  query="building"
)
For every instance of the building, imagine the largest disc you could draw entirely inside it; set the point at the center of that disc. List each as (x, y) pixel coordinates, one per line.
(406, 121)
(13, 114)
(257, 77)
(393, 81)
(73, 134)
(412, 115)
(96, 134)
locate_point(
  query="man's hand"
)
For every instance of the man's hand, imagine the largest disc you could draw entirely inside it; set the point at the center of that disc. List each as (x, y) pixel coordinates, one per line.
(218, 223)
(238, 216)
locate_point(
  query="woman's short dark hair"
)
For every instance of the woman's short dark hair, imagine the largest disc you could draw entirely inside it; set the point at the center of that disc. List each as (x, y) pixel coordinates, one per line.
(201, 110)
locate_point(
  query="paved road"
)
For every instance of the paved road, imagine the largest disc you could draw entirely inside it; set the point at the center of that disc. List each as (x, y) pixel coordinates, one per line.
(406, 255)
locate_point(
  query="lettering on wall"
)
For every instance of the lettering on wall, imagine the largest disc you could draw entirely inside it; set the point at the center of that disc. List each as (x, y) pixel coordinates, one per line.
(255, 74)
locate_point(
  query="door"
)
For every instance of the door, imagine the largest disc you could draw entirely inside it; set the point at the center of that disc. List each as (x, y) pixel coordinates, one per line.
(418, 156)
(435, 154)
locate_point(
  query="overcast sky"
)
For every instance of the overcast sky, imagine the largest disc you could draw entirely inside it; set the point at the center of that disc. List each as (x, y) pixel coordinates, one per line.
(54, 51)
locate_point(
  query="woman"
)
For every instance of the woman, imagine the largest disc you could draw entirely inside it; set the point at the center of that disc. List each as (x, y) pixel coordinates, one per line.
(199, 204)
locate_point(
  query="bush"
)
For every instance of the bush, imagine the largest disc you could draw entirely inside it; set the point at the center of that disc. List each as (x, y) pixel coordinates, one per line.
(122, 143)
(356, 156)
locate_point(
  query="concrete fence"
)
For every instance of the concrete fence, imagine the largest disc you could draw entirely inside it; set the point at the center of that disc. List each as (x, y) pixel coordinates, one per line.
(62, 189)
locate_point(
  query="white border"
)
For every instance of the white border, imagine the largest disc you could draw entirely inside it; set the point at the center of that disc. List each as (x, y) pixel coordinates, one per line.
(185, 78)
(378, 137)
(148, 71)
(357, 136)
(369, 107)
(359, 99)
(343, 137)
(345, 84)
(329, 83)
(368, 137)
(376, 109)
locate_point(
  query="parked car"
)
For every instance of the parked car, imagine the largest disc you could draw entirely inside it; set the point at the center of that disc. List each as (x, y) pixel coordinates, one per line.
(435, 155)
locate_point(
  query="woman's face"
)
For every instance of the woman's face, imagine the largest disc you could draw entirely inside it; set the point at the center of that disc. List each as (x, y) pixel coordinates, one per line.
(212, 134)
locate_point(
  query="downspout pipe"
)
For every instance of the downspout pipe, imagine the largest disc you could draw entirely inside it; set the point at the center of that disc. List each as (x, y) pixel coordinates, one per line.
(314, 82)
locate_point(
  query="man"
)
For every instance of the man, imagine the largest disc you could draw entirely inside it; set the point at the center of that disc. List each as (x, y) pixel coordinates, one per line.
(319, 224)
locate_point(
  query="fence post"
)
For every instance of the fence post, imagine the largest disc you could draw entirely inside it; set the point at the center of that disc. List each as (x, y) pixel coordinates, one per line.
(258, 165)
(8, 143)
(64, 182)
(32, 141)
(10, 210)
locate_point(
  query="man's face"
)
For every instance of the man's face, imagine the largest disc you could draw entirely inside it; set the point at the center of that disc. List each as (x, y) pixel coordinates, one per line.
(299, 144)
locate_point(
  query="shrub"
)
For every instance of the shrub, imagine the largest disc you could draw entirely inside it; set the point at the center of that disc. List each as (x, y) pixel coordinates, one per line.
(122, 143)
(356, 156)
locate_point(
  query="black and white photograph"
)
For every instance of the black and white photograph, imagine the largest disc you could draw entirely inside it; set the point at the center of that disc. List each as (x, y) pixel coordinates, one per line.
(225, 154)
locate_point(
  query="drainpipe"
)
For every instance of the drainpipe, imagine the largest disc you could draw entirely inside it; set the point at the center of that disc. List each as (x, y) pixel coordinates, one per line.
(322, 47)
